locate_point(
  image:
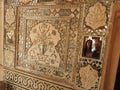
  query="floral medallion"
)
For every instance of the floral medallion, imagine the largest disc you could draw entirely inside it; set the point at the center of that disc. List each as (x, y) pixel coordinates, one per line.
(96, 16)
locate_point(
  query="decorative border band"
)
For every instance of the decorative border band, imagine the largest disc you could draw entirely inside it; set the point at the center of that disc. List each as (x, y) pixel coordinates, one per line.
(30, 83)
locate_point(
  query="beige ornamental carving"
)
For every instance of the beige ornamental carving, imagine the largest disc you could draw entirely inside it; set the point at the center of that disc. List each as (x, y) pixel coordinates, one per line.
(44, 37)
(88, 76)
(25, 1)
(96, 16)
(9, 57)
(10, 16)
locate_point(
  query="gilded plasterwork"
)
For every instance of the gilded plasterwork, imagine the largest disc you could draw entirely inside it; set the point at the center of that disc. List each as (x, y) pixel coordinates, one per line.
(43, 40)
(10, 16)
(9, 24)
(49, 38)
(44, 37)
(96, 16)
(88, 73)
(17, 81)
(8, 58)
(25, 1)
(10, 37)
(88, 76)
(41, 47)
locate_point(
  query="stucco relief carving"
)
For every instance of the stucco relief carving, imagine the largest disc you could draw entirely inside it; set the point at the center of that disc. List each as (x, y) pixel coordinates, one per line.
(96, 16)
(43, 41)
(10, 37)
(9, 58)
(23, 82)
(10, 16)
(25, 1)
(88, 76)
(44, 37)
(42, 46)
(29, 48)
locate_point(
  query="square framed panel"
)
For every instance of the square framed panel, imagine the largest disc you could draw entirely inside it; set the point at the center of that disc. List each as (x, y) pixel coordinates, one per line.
(43, 37)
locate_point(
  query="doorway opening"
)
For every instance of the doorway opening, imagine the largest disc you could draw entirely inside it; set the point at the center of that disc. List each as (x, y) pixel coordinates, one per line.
(117, 81)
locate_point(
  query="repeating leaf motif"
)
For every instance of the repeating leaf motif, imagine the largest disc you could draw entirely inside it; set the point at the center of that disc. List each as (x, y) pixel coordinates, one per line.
(96, 16)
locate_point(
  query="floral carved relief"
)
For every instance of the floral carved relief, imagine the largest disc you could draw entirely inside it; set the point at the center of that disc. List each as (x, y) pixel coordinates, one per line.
(43, 42)
(49, 39)
(17, 80)
(10, 37)
(9, 58)
(25, 1)
(96, 16)
(10, 16)
(88, 76)
(44, 37)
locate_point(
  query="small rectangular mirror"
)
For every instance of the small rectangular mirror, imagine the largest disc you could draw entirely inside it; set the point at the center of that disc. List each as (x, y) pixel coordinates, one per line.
(92, 47)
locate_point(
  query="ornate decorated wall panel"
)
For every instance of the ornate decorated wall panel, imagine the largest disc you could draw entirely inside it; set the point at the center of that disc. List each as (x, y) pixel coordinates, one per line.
(47, 38)
(19, 81)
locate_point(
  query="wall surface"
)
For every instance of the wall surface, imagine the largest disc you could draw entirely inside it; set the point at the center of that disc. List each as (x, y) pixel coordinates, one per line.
(45, 43)
(113, 54)
(1, 37)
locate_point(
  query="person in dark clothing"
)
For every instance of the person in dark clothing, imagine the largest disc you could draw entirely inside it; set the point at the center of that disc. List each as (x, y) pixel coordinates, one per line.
(96, 53)
(87, 50)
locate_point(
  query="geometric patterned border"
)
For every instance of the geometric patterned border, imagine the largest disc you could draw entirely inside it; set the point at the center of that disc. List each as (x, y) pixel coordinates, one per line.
(10, 86)
(17, 81)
